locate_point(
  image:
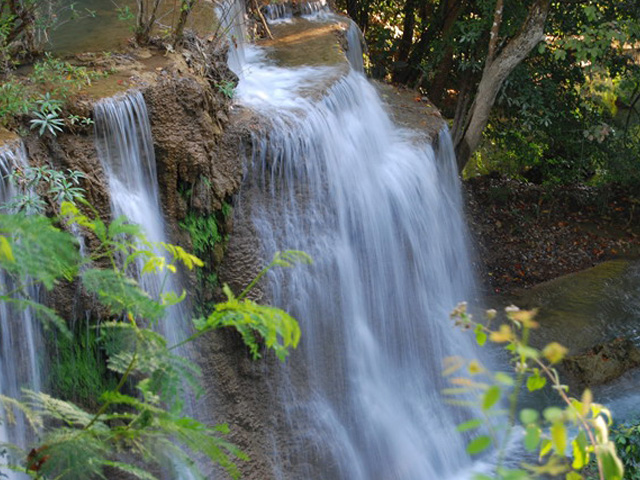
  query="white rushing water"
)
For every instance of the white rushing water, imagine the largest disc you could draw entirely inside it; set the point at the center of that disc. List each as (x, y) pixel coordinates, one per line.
(125, 149)
(233, 22)
(276, 13)
(20, 335)
(380, 213)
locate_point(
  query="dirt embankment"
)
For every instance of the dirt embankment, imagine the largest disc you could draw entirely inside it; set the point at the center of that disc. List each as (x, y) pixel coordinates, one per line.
(527, 234)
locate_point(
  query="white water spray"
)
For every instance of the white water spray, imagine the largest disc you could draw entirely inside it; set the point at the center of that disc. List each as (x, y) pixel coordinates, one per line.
(380, 212)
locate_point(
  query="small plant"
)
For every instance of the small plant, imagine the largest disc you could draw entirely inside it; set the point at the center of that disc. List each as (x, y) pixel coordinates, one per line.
(62, 186)
(626, 436)
(61, 78)
(47, 117)
(226, 87)
(46, 122)
(580, 426)
(46, 103)
(15, 100)
(80, 120)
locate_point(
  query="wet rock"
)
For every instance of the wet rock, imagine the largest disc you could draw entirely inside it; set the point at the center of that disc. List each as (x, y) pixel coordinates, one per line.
(600, 365)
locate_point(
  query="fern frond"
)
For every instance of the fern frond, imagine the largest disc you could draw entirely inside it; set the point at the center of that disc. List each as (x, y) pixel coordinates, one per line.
(38, 249)
(47, 316)
(290, 258)
(131, 470)
(67, 412)
(11, 405)
(121, 294)
(279, 330)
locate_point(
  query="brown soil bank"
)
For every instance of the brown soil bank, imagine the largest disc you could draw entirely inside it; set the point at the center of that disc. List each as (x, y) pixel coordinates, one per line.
(527, 234)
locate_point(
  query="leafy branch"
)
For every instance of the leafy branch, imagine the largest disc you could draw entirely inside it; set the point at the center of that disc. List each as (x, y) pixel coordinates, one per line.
(550, 434)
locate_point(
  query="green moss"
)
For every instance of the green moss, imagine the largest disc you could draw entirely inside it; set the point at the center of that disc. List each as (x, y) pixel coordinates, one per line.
(204, 232)
(209, 240)
(78, 371)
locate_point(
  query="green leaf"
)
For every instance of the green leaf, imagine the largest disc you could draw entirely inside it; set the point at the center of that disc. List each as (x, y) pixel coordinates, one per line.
(580, 454)
(553, 414)
(535, 381)
(545, 447)
(513, 474)
(491, 397)
(559, 438)
(277, 328)
(5, 250)
(529, 415)
(481, 336)
(573, 476)
(611, 464)
(504, 378)
(120, 226)
(532, 437)
(121, 294)
(470, 425)
(479, 445)
(39, 250)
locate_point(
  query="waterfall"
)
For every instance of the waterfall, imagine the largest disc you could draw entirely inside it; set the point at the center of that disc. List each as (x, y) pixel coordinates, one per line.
(125, 149)
(354, 47)
(314, 8)
(278, 12)
(379, 210)
(232, 18)
(20, 336)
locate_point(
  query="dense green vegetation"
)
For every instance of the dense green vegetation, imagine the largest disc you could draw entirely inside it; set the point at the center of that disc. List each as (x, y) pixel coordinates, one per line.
(131, 384)
(556, 84)
(540, 90)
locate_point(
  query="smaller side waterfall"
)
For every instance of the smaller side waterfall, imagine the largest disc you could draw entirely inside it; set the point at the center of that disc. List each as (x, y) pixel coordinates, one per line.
(354, 47)
(125, 148)
(314, 7)
(232, 17)
(20, 336)
(278, 12)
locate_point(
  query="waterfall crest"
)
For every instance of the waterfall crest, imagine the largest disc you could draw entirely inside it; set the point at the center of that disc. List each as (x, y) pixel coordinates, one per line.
(380, 212)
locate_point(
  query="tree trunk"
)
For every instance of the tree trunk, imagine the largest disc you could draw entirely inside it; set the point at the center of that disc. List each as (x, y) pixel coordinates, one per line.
(469, 131)
(408, 26)
(185, 9)
(440, 26)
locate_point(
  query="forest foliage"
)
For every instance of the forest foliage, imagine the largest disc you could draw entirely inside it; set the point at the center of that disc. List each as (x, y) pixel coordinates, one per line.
(567, 110)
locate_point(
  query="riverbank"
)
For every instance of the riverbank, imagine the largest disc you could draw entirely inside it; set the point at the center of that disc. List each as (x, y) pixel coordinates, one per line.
(526, 234)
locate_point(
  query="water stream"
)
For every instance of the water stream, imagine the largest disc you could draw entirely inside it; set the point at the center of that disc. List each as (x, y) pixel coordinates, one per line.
(125, 149)
(20, 335)
(380, 213)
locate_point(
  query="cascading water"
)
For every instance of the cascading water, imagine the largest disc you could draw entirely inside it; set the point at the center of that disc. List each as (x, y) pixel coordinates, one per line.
(278, 12)
(232, 17)
(354, 47)
(380, 213)
(125, 149)
(20, 336)
(314, 8)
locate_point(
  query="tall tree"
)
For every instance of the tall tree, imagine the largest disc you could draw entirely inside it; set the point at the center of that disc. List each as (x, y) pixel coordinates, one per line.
(503, 56)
